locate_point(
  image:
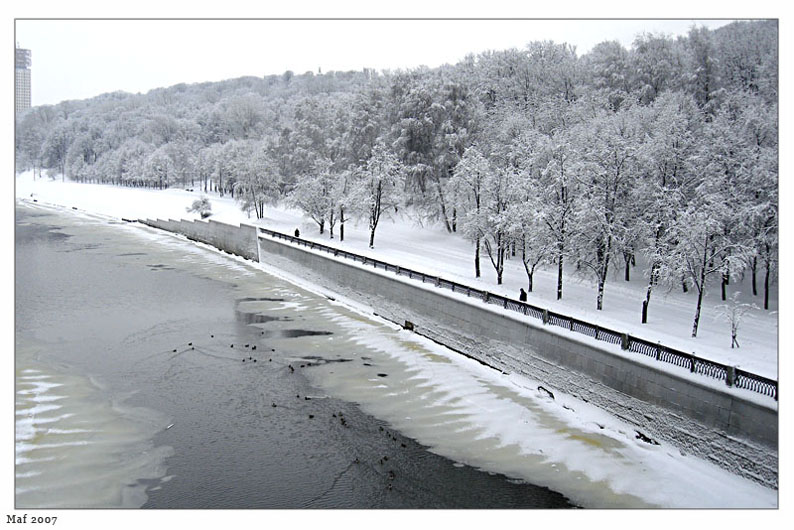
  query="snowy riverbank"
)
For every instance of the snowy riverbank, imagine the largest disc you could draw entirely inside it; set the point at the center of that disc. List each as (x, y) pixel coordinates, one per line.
(432, 250)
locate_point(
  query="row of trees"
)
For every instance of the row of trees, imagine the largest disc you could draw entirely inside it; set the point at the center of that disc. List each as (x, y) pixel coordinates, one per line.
(667, 150)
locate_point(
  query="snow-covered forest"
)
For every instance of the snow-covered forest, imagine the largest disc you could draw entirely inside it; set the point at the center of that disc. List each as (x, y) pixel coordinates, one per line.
(667, 151)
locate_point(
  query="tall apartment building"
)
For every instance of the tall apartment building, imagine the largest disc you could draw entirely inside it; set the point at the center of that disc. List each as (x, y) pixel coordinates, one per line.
(22, 80)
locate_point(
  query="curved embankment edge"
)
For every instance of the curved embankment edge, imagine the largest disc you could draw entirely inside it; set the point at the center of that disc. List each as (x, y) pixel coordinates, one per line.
(726, 426)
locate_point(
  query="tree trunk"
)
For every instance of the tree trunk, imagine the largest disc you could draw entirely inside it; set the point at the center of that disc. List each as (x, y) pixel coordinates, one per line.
(477, 258)
(600, 298)
(559, 276)
(726, 278)
(647, 301)
(443, 205)
(603, 259)
(723, 285)
(372, 238)
(501, 250)
(766, 285)
(697, 313)
(530, 270)
(628, 256)
(754, 269)
(341, 224)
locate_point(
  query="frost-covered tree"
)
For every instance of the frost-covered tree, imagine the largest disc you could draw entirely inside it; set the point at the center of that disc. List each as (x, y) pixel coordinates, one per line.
(489, 224)
(159, 168)
(703, 71)
(655, 60)
(559, 191)
(733, 313)
(378, 187)
(666, 165)
(466, 186)
(606, 171)
(258, 180)
(312, 194)
(56, 147)
(610, 72)
(704, 248)
(527, 231)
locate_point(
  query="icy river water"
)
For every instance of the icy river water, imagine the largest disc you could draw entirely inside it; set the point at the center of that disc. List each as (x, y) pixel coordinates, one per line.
(138, 385)
(153, 372)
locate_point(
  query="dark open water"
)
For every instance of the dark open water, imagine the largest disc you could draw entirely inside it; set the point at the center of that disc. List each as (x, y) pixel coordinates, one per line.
(138, 384)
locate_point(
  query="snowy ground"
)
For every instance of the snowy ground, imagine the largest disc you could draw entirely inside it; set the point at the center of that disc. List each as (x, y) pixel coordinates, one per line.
(434, 251)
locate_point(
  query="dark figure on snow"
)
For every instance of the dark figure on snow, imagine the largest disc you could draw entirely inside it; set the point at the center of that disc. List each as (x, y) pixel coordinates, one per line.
(297, 233)
(523, 295)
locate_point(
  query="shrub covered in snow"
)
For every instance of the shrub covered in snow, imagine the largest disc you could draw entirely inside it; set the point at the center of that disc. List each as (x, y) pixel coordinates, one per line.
(201, 206)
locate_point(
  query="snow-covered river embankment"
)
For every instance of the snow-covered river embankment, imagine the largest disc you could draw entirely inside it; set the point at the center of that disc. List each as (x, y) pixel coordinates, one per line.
(735, 429)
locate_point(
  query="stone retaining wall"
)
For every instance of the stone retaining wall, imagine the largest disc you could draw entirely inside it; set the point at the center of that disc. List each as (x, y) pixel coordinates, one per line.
(697, 414)
(235, 239)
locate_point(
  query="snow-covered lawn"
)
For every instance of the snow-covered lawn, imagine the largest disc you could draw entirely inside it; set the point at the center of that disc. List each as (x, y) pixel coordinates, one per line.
(432, 250)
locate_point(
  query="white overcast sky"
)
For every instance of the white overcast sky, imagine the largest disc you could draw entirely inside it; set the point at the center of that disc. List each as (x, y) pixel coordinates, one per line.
(76, 59)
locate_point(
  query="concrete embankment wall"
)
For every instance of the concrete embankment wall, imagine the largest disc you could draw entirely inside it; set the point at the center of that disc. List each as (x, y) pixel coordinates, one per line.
(235, 239)
(697, 414)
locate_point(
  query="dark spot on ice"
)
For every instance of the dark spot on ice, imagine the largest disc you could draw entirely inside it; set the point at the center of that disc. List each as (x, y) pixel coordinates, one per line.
(383, 375)
(646, 439)
(547, 391)
(293, 333)
(257, 318)
(253, 299)
(159, 266)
